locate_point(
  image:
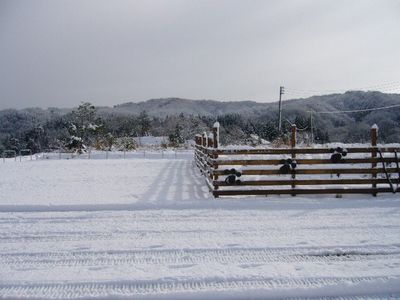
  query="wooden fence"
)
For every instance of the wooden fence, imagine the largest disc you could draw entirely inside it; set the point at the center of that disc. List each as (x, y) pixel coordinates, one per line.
(355, 170)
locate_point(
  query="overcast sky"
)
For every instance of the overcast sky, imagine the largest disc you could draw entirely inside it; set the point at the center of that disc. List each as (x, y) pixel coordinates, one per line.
(60, 53)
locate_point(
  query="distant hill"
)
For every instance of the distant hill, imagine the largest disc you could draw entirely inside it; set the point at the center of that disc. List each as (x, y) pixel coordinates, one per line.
(353, 100)
(175, 106)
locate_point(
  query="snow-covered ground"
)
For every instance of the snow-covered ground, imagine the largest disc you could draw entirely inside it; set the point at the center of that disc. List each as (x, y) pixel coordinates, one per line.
(148, 228)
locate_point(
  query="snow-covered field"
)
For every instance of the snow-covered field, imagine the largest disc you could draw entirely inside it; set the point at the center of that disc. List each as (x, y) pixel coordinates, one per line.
(148, 228)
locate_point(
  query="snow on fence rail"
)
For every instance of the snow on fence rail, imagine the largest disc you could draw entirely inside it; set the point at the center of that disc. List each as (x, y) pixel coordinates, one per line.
(357, 170)
(58, 154)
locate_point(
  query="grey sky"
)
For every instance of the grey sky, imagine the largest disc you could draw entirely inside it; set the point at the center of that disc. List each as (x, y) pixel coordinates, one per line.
(59, 53)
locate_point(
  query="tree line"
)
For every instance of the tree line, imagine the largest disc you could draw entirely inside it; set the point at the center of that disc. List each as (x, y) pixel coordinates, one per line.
(86, 127)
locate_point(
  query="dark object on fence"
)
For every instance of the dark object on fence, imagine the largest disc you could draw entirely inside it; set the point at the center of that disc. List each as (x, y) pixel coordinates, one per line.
(340, 150)
(336, 158)
(293, 164)
(338, 154)
(285, 169)
(233, 172)
(231, 179)
(288, 166)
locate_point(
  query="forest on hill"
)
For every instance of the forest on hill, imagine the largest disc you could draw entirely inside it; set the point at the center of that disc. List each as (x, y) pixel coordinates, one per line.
(180, 119)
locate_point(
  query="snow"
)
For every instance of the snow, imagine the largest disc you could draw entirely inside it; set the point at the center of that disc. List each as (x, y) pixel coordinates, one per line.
(146, 152)
(76, 138)
(148, 228)
(151, 140)
(112, 182)
(92, 126)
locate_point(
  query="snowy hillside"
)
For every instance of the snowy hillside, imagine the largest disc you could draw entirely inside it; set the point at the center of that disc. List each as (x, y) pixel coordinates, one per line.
(148, 228)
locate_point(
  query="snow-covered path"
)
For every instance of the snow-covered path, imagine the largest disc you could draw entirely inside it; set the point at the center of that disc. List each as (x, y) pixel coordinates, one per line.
(195, 246)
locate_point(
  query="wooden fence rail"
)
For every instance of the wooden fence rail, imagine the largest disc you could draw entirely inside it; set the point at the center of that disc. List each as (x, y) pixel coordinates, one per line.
(270, 171)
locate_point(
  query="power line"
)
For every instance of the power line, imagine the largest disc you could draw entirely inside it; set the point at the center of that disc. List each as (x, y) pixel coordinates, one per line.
(293, 95)
(356, 110)
(343, 112)
(387, 85)
(385, 88)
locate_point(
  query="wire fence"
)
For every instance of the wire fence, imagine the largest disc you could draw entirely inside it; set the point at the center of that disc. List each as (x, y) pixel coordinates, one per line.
(50, 154)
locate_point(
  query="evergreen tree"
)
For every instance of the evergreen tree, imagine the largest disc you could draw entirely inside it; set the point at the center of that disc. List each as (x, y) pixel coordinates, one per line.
(84, 126)
(144, 123)
(176, 137)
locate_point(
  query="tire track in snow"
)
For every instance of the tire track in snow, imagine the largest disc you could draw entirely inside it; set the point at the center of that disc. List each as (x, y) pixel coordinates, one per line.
(196, 256)
(106, 289)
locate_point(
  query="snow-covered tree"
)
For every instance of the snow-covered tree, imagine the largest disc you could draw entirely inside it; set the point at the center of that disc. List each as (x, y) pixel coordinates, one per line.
(83, 127)
(144, 123)
(176, 137)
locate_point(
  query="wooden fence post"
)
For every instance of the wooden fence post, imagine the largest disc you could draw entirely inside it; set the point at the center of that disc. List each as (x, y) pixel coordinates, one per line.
(215, 131)
(374, 142)
(293, 139)
(293, 145)
(204, 142)
(197, 140)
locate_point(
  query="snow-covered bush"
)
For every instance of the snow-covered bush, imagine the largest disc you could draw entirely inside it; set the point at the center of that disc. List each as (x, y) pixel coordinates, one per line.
(125, 143)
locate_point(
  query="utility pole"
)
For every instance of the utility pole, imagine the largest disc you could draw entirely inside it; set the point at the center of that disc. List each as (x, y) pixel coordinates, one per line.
(281, 92)
(312, 127)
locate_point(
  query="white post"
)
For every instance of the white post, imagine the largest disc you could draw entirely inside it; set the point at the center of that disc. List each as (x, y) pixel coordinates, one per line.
(216, 134)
